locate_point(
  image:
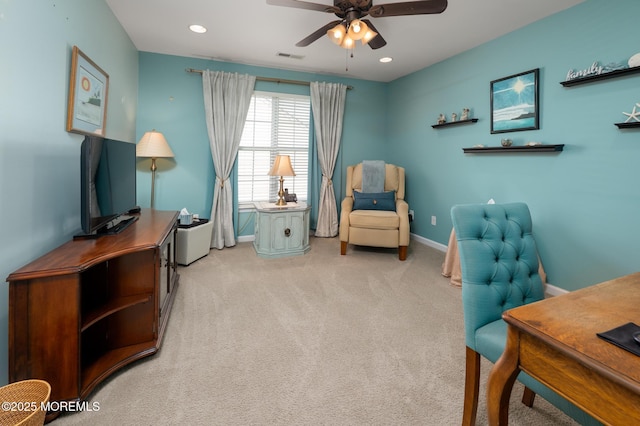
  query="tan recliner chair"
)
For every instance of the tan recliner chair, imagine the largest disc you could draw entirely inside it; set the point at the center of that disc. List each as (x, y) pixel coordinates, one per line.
(375, 228)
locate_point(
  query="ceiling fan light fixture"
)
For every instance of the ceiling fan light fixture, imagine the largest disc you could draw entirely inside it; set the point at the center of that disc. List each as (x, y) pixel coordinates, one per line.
(357, 29)
(353, 23)
(337, 34)
(368, 36)
(348, 42)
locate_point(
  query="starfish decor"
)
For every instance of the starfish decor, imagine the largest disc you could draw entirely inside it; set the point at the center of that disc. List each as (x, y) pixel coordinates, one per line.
(633, 115)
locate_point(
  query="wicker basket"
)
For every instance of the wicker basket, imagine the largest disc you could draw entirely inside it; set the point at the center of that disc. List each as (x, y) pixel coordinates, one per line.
(28, 396)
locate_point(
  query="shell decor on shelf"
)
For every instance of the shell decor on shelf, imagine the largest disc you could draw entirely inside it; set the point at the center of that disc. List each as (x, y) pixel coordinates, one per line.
(634, 115)
(455, 117)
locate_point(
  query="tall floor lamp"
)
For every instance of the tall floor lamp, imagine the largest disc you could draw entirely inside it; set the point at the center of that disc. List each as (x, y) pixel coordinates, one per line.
(153, 145)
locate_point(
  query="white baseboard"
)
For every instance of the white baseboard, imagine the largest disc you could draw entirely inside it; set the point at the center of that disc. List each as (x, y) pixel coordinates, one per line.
(550, 290)
(428, 242)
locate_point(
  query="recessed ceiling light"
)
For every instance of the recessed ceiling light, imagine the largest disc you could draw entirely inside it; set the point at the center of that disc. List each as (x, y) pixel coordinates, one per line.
(386, 59)
(197, 28)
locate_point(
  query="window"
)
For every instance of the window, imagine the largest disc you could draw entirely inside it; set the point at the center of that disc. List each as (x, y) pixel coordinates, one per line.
(276, 124)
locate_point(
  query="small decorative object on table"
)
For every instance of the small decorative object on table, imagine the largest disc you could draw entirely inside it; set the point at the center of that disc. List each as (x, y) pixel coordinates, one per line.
(185, 217)
(506, 142)
(465, 114)
(454, 116)
(441, 119)
(290, 198)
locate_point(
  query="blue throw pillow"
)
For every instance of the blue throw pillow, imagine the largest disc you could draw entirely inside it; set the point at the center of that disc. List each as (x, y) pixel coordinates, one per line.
(374, 200)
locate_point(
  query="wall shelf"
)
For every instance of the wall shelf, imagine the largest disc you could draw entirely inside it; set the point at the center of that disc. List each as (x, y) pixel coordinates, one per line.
(513, 149)
(455, 123)
(632, 125)
(604, 76)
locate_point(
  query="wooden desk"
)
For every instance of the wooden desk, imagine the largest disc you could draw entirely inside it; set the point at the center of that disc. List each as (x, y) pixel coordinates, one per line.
(555, 341)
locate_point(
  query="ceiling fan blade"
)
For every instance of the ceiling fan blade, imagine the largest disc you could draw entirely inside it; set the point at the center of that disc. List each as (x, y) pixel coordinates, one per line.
(317, 34)
(425, 7)
(377, 42)
(304, 5)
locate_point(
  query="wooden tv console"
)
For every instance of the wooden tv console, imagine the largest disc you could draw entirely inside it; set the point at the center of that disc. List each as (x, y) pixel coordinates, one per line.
(84, 310)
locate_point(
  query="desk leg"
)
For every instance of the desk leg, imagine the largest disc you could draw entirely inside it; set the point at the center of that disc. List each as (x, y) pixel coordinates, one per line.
(501, 380)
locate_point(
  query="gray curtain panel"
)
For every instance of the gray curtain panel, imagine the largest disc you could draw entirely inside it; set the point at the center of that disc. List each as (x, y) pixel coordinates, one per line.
(327, 103)
(226, 101)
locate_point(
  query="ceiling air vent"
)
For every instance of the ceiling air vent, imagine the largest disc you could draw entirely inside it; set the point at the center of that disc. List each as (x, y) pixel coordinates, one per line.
(289, 55)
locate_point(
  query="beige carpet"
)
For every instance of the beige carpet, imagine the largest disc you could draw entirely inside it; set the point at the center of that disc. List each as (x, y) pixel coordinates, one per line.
(320, 339)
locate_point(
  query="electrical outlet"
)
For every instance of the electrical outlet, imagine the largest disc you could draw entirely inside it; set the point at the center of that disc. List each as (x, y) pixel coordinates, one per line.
(433, 220)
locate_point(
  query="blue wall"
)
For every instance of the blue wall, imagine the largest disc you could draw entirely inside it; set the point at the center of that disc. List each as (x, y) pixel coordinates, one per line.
(39, 160)
(584, 200)
(171, 101)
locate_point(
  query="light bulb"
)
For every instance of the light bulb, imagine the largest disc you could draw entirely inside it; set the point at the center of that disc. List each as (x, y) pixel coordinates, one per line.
(357, 29)
(337, 34)
(347, 43)
(369, 35)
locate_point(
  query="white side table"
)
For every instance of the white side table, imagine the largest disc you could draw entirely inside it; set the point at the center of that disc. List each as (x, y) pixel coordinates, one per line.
(281, 230)
(193, 242)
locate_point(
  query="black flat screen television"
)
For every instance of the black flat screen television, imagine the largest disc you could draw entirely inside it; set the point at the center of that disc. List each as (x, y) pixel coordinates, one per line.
(108, 185)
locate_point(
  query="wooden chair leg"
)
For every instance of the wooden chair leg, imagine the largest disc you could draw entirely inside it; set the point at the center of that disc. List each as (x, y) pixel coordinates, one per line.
(402, 252)
(471, 388)
(343, 247)
(528, 396)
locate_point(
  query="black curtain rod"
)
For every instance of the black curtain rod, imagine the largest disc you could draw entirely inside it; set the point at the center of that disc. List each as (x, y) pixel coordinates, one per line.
(269, 79)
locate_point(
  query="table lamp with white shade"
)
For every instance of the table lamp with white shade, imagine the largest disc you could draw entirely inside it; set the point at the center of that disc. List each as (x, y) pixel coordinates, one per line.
(281, 167)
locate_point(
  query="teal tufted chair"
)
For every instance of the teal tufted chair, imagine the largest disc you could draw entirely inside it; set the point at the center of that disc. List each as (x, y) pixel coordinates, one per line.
(499, 264)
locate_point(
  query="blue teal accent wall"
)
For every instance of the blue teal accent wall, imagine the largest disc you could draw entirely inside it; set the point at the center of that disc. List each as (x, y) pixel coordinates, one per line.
(584, 201)
(39, 160)
(170, 100)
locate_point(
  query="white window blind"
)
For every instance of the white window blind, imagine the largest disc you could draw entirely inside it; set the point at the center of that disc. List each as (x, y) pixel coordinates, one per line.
(277, 124)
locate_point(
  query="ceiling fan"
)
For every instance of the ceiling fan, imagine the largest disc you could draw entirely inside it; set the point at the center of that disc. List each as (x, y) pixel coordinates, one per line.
(351, 27)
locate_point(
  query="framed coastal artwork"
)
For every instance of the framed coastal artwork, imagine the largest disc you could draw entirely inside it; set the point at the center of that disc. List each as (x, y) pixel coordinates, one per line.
(514, 102)
(88, 90)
